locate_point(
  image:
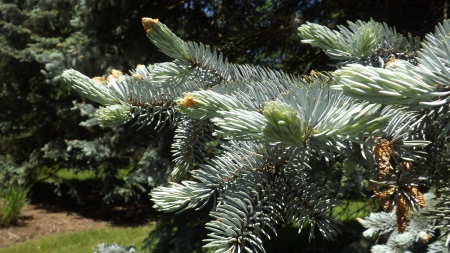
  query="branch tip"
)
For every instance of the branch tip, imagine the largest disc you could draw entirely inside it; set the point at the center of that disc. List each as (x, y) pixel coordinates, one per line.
(188, 101)
(148, 24)
(99, 79)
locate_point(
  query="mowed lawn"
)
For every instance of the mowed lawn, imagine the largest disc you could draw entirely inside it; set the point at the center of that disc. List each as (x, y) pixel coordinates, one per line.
(84, 242)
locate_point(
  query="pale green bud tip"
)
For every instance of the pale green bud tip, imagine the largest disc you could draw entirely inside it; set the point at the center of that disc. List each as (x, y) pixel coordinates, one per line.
(279, 111)
(282, 125)
(149, 23)
(114, 115)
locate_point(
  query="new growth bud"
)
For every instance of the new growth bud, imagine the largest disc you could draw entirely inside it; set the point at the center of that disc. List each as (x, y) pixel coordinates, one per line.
(283, 125)
(114, 115)
(165, 40)
(149, 23)
(188, 101)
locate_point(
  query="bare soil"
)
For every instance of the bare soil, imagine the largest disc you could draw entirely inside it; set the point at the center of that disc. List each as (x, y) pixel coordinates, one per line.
(48, 214)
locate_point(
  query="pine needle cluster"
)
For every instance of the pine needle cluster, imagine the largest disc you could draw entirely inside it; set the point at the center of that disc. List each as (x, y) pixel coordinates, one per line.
(248, 137)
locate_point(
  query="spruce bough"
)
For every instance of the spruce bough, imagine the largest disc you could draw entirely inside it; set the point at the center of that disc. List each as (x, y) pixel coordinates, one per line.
(385, 108)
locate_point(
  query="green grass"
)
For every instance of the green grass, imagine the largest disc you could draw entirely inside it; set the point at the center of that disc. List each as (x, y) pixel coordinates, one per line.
(83, 242)
(80, 176)
(349, 210)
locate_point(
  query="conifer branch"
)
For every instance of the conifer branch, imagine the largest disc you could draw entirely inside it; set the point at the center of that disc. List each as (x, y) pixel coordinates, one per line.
(386, 109)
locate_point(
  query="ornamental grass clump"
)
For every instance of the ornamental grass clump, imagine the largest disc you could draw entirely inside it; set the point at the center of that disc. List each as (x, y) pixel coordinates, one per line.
(12, 200)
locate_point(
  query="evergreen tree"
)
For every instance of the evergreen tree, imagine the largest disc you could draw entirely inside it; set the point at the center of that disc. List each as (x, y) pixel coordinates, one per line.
(247, 136)
(39, 39)
(39, 126)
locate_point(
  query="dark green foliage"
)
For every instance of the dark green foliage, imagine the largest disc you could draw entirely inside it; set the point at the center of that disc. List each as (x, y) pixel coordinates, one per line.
(39, 123)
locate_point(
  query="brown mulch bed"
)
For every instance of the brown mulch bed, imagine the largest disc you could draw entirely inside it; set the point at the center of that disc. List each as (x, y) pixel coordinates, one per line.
(37, 222)
(48, 214)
